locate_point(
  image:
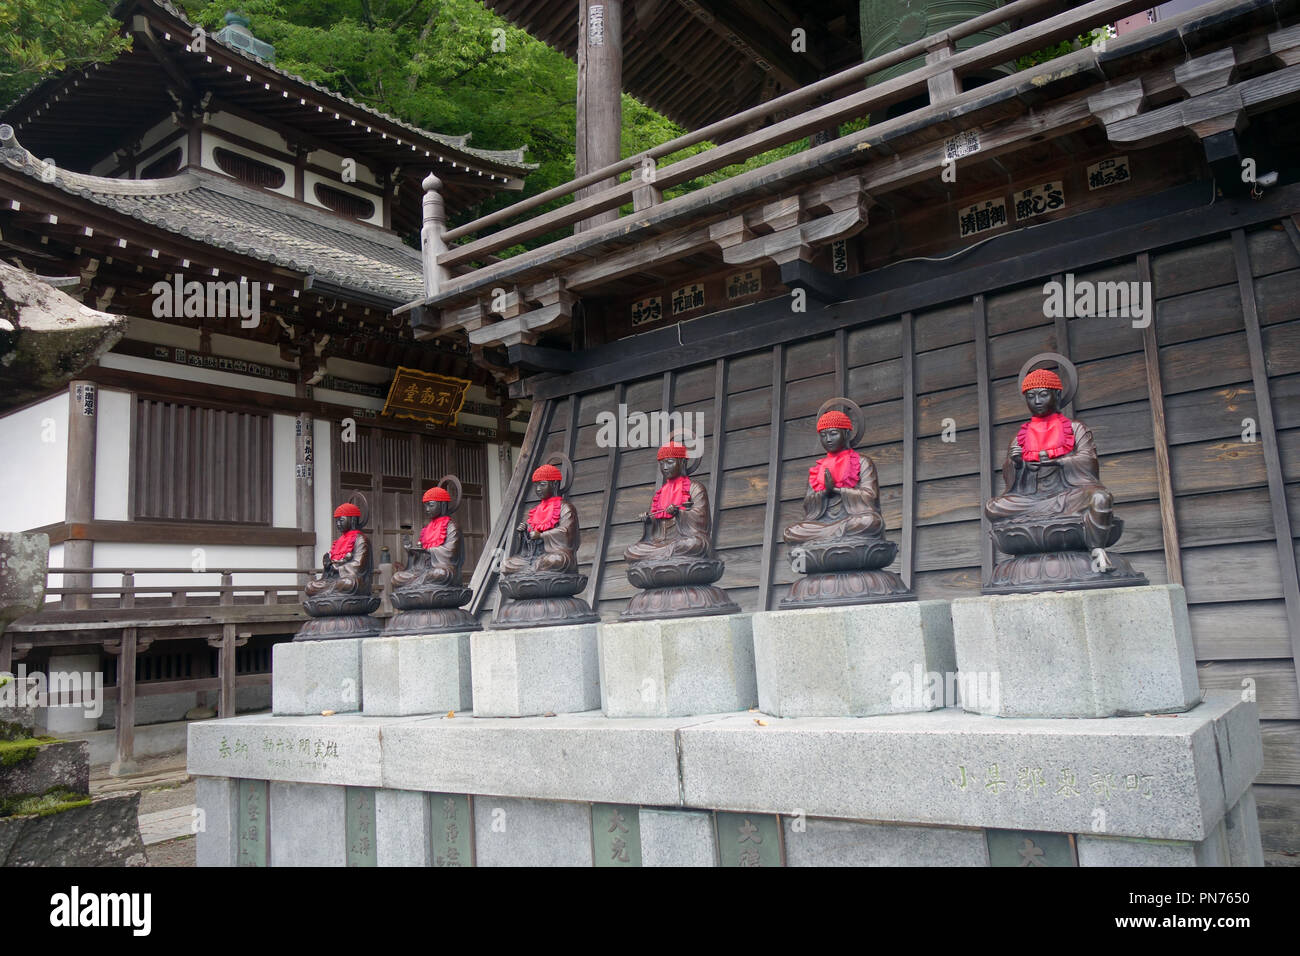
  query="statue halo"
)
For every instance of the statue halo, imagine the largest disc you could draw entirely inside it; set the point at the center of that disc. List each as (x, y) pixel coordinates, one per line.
(1065, 368)
(561, 461)
(679, 435)
(358, 499)
(851, 408)
(452, 484)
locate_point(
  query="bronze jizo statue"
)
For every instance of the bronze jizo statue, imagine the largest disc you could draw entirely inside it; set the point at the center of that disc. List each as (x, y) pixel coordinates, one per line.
(839, 548)
(540, 579)
(1054, 517)
(428, 592)
(674, 564)
(340, 599)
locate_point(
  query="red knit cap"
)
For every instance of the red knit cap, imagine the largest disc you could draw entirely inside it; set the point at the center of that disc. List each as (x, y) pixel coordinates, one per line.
(1041, 378)
(672, 450)
(437, 493)
(548, 473)
(347, 510)
(834, 419)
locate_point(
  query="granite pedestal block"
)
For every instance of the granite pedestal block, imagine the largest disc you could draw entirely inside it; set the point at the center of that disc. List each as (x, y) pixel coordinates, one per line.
(402, 828)
(845, 843)
(216, 842)
(308, 677)
(678, 838)
(511, 832)
(529, 671)
(678, 668)
(1097, 653)
(416, 674)
(307, 824)
(853, 661)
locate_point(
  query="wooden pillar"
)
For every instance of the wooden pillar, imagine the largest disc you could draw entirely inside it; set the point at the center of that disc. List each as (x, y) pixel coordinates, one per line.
(719, 434)
(907, 558)
(304, 482)
(79, 502)
(226, 705)
(982, 388)
(1164, 474)
(773, 480)
(125, 718)
(600, 96)
(432, 244)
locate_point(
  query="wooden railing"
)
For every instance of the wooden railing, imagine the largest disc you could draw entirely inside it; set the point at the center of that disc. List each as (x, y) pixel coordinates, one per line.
(128, 591)
(835, 100)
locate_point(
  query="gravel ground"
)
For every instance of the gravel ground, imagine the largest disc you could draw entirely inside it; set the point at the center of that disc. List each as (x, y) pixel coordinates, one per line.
(172, 853)
(167, 798)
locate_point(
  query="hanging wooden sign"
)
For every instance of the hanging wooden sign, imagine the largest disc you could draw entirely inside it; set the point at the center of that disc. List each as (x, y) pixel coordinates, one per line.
(426, 397)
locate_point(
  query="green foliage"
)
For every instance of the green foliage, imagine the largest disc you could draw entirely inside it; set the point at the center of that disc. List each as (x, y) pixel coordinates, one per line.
(55, 800)
(1060, 49)
(15, 751)
(38, 37)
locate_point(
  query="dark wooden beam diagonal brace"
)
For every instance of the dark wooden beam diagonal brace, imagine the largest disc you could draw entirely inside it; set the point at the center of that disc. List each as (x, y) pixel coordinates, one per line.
(606, 520)
(1160, 432)
(773, 479)
(1268, 436)
(983, 387)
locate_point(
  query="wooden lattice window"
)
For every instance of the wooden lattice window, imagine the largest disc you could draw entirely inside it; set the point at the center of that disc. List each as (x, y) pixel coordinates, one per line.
(201, 464)
(344, 203)
(249, 170)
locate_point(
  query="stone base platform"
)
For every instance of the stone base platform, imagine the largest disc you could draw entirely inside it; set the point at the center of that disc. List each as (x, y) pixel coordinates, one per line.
(308, 677)
(416, 674)
(523, 672)
(679, 667)
(938, 788)
(853, 661)
(1091, 653)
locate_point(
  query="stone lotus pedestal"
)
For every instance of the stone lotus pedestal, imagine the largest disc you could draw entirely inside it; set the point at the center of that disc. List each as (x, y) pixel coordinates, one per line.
(1053, 554)
(542, 599)
(310, 676)
(680, 587)
(854, 661)
(520, 672)
(333, 617)
(416, 674)
(1086, 653)
(435, 609)
(849, 570)
(677, 668)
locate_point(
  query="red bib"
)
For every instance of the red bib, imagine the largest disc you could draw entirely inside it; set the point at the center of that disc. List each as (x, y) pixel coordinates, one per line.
(670, 493)
(844, 467)
(343, 545)
(545, 515)
(434, 533)
(1053, 434)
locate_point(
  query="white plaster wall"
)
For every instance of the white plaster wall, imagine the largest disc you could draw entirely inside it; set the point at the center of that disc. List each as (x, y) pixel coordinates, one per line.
(248, 350)
(310, 180)
(494, 489)
(162, 333)
(112, 455)
(330, 160)
(348, 400)
(284, 506)
(33, 480)
(248, 130)
(191, 374)
(324, 468)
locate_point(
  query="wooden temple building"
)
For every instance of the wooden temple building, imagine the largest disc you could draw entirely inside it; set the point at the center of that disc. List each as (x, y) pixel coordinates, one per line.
(906, 263)
(186, 480)
(886, 194)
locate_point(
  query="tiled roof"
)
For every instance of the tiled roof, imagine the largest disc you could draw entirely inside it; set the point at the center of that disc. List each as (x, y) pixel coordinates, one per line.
(502, 157)
(228, 215)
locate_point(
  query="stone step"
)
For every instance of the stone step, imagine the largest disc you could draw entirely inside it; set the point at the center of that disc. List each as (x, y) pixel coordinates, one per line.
(164, 825)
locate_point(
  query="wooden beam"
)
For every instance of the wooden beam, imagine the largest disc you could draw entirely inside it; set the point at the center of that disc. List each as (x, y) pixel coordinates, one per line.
(1268, 436)
(1177, 215)
(605, 521)
(1156, 395)
(226, 702)
(124, 718)
(1061, 325)
(600, 97)
(79, 499)
(907, 559)
(489, 561)
(719, 436)
(983, 387)
(773, 479)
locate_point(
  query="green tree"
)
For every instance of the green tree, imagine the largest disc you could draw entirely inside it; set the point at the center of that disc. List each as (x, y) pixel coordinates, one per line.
(38, 37)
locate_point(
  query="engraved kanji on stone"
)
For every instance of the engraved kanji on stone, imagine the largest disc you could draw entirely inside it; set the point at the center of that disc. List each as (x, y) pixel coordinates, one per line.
(1069, 786)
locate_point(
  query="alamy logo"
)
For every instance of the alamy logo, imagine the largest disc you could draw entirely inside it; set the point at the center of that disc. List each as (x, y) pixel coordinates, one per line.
(208, 300)
(74, 909)
(1084, 299)
(626, 429)
(59, 689)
